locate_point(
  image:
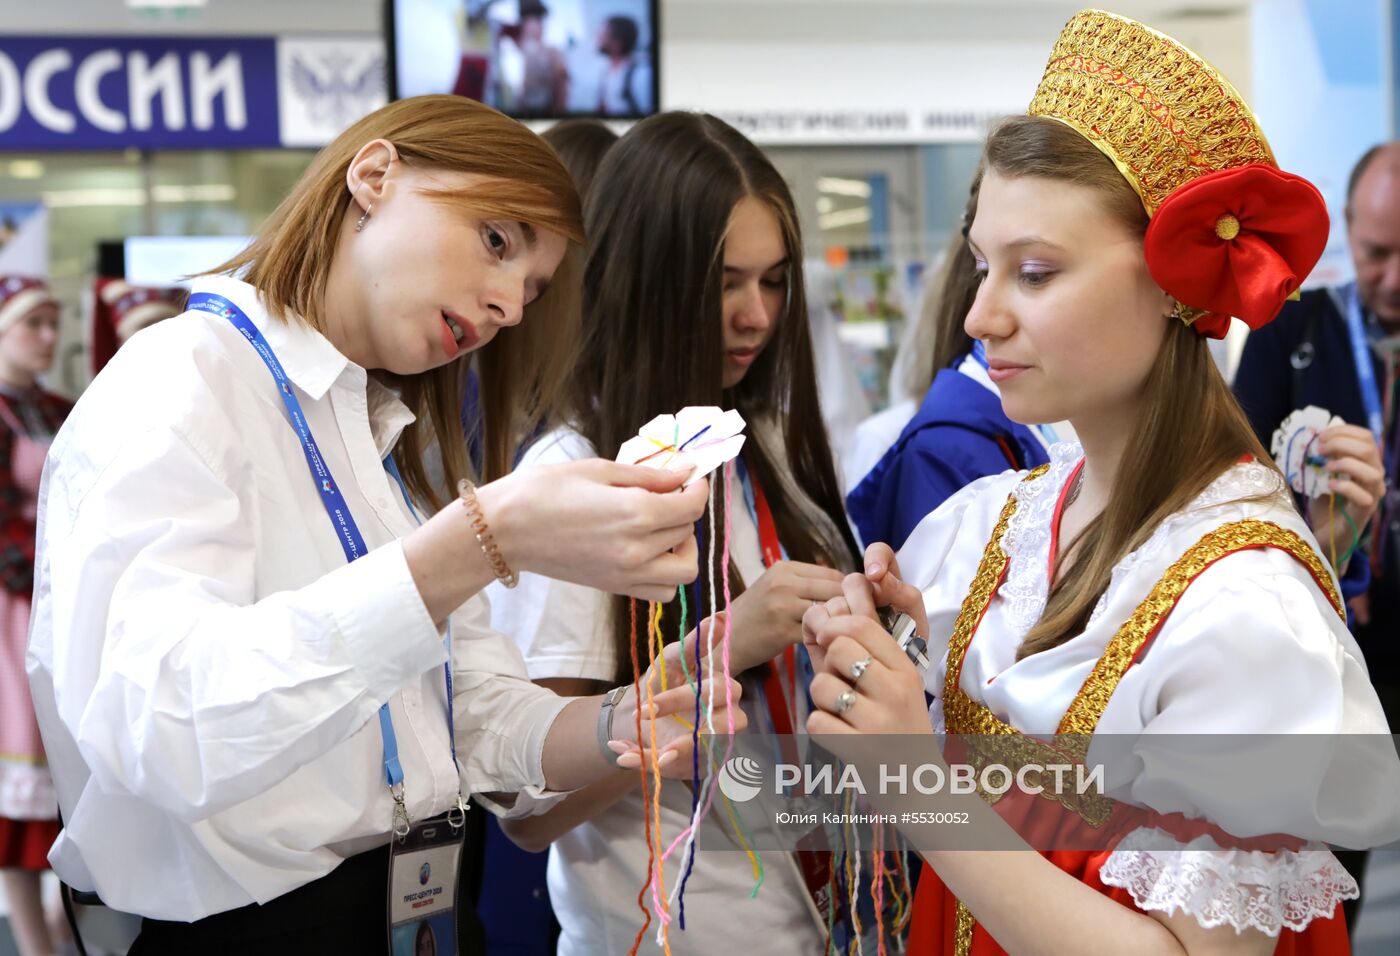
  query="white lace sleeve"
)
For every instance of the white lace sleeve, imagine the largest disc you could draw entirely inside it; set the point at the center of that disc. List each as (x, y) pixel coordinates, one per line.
(1026, 586)
(1237, 888)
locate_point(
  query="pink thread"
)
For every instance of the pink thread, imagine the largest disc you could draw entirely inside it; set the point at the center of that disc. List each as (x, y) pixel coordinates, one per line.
(728, 688)
(706, 787)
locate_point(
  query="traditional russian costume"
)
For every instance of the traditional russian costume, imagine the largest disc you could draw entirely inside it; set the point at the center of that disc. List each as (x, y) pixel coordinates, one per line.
(1224, 622)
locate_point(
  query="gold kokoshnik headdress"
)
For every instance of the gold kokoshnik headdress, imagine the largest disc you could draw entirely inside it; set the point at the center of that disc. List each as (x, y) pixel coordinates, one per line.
(1230, 234)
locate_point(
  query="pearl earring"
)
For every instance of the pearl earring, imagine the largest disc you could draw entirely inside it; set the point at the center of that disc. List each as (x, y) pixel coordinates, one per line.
(359, 226)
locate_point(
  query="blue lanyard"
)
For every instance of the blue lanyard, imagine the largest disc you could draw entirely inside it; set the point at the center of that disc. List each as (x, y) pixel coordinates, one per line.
(347, 531)
(393, 469)
(1361, 355)
(979, 355)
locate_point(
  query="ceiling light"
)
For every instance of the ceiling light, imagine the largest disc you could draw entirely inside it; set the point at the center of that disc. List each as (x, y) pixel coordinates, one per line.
(844, 187)
(63, 198)
(844, 217)
(207, 192)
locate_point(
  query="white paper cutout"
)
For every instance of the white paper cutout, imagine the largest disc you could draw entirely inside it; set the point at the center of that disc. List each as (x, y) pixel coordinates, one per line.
(701, 436)
(1294, 448)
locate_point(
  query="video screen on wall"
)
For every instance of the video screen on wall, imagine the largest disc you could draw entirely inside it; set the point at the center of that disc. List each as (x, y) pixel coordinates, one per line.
(546, 59)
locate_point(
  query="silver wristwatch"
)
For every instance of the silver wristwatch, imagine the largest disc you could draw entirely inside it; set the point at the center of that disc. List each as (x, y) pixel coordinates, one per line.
(605, 722)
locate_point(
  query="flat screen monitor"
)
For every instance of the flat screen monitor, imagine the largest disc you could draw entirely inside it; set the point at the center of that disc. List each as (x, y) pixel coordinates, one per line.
(532, 59)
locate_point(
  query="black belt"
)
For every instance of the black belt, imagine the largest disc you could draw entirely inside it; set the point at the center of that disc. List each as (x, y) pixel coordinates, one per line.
(341, 914)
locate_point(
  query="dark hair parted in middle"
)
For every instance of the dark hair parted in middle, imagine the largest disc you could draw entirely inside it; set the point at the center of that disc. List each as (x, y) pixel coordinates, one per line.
(581, 144)
(657, 219)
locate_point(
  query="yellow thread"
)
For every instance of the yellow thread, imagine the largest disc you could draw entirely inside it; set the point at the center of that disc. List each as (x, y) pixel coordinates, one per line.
(1332, 528)
(739, 832)
(674, 451)
(655, 627)
(663, 910)
(901, 904)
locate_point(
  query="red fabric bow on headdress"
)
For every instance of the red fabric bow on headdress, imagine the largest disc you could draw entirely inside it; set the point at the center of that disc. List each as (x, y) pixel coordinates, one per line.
(1237, 242)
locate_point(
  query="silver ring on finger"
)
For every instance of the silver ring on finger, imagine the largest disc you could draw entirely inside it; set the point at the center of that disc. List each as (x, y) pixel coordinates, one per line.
(846, 701)
(859, 668)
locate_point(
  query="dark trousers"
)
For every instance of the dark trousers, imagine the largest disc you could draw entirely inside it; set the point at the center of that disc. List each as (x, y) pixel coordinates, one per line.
(341, 914)
(1354, 861)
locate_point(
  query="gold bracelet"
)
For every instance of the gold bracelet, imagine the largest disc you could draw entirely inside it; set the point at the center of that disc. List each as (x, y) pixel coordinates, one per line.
(504, 574)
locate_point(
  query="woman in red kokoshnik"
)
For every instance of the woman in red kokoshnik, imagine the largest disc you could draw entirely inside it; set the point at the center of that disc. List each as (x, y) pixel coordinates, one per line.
(29, 417)
(1155, 581)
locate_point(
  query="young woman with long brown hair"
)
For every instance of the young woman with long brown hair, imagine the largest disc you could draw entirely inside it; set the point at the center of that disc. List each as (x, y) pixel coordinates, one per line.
(1155, 582)
(959, 432)
(514, 901)
(230, 583)
(693, 295)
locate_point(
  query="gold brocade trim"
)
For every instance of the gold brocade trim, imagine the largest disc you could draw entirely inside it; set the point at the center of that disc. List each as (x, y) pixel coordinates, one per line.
(979, 595)
(1088, 706)
(1021, 753)
(962, 933)
(1002, 743)
(988, 739)
(1161, 113)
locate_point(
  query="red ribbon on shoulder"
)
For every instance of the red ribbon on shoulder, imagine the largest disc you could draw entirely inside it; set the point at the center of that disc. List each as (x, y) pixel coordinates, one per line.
(1238, 243)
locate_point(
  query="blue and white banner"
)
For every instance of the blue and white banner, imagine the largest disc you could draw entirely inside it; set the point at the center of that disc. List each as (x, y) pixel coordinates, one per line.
(69, 92)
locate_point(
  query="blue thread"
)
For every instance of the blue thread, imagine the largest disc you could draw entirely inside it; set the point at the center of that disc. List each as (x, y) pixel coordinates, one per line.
(695, 733)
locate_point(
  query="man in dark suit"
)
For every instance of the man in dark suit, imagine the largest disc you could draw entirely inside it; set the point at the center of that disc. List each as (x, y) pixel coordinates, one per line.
(1309, 356)
(1339, 348)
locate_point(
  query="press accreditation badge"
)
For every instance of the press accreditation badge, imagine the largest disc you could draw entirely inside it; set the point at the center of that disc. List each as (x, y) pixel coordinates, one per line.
(423, 889)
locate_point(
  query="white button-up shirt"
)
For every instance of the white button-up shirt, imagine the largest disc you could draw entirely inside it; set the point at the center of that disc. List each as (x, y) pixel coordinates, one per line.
(206, 666)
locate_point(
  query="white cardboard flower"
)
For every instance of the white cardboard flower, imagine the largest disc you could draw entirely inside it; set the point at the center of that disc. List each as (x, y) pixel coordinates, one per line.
(701, 436)
(1294, 447)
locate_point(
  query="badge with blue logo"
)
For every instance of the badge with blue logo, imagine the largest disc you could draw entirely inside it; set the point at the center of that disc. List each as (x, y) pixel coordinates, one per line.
(423, 889)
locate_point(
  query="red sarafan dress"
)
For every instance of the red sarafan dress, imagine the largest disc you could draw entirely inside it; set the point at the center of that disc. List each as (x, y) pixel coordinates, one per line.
(28, 808)
(1225, 622)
